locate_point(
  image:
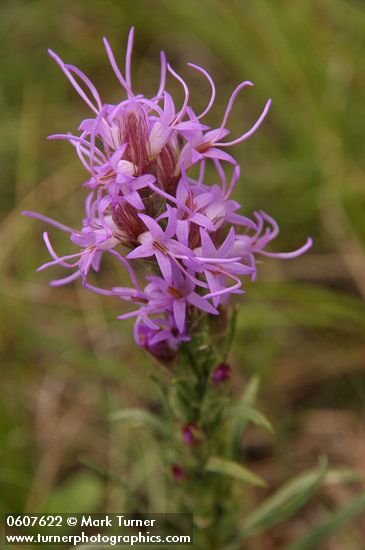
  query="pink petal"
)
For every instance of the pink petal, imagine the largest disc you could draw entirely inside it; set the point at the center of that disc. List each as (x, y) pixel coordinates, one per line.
(142, 251)
(198, 302)
(164, 263)
(153, 226)
(208, 248)
(227, 246)
(179, 307)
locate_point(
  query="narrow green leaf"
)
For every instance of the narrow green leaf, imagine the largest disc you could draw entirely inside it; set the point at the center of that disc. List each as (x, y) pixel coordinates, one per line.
(230, 333)
(141, 417)
(250, 393)
(253, 415)
(331, 525)
(183, 397)
(233, 469)
(106, 473)
(341, 475)
(247, 400)
(160, 388)
(284, 503)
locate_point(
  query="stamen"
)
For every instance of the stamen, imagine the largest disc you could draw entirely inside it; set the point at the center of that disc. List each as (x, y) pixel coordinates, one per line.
(160, 247)
(210, 80)
(175, 292)
(250, 132)
(186, 99)
(128, 62)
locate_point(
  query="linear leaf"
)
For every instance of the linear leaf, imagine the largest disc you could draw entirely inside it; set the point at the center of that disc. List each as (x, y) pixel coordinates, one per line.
(341, 475)
(141, 417)
(284, 503)
(233, 469)
(331, 525)
(255, 416)
(247, 400)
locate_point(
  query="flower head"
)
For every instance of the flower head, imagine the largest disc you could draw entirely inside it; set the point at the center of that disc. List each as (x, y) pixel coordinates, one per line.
(145, 208)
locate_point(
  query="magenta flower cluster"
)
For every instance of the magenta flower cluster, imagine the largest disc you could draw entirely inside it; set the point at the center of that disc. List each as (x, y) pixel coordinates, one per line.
(146, 205)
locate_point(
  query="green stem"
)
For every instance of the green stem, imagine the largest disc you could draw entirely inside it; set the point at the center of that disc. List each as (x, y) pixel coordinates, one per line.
(196, 400)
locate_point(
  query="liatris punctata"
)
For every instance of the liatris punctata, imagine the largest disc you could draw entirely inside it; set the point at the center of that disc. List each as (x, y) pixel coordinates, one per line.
(145, 207)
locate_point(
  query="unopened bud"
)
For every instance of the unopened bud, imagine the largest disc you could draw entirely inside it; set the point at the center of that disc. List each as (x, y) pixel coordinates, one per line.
(221, 373)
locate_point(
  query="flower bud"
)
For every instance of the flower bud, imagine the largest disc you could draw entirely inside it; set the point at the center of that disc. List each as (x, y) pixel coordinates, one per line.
(189, 432)
(134, 130)
(126, 218)
(221, 373)
(178, 472)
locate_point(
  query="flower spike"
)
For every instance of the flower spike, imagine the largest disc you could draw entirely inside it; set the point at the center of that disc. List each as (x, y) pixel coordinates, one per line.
(146, 208)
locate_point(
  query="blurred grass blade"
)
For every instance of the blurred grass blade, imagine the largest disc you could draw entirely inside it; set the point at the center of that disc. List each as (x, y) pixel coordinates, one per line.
(247, 400)
(141, 417)
(341, 475)
(285, 502)
(233, 469)
(107, 474)
(78, 493)
(317, 536)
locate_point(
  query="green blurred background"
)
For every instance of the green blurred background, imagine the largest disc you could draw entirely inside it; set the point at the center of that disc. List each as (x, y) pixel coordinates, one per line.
(66, 362)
